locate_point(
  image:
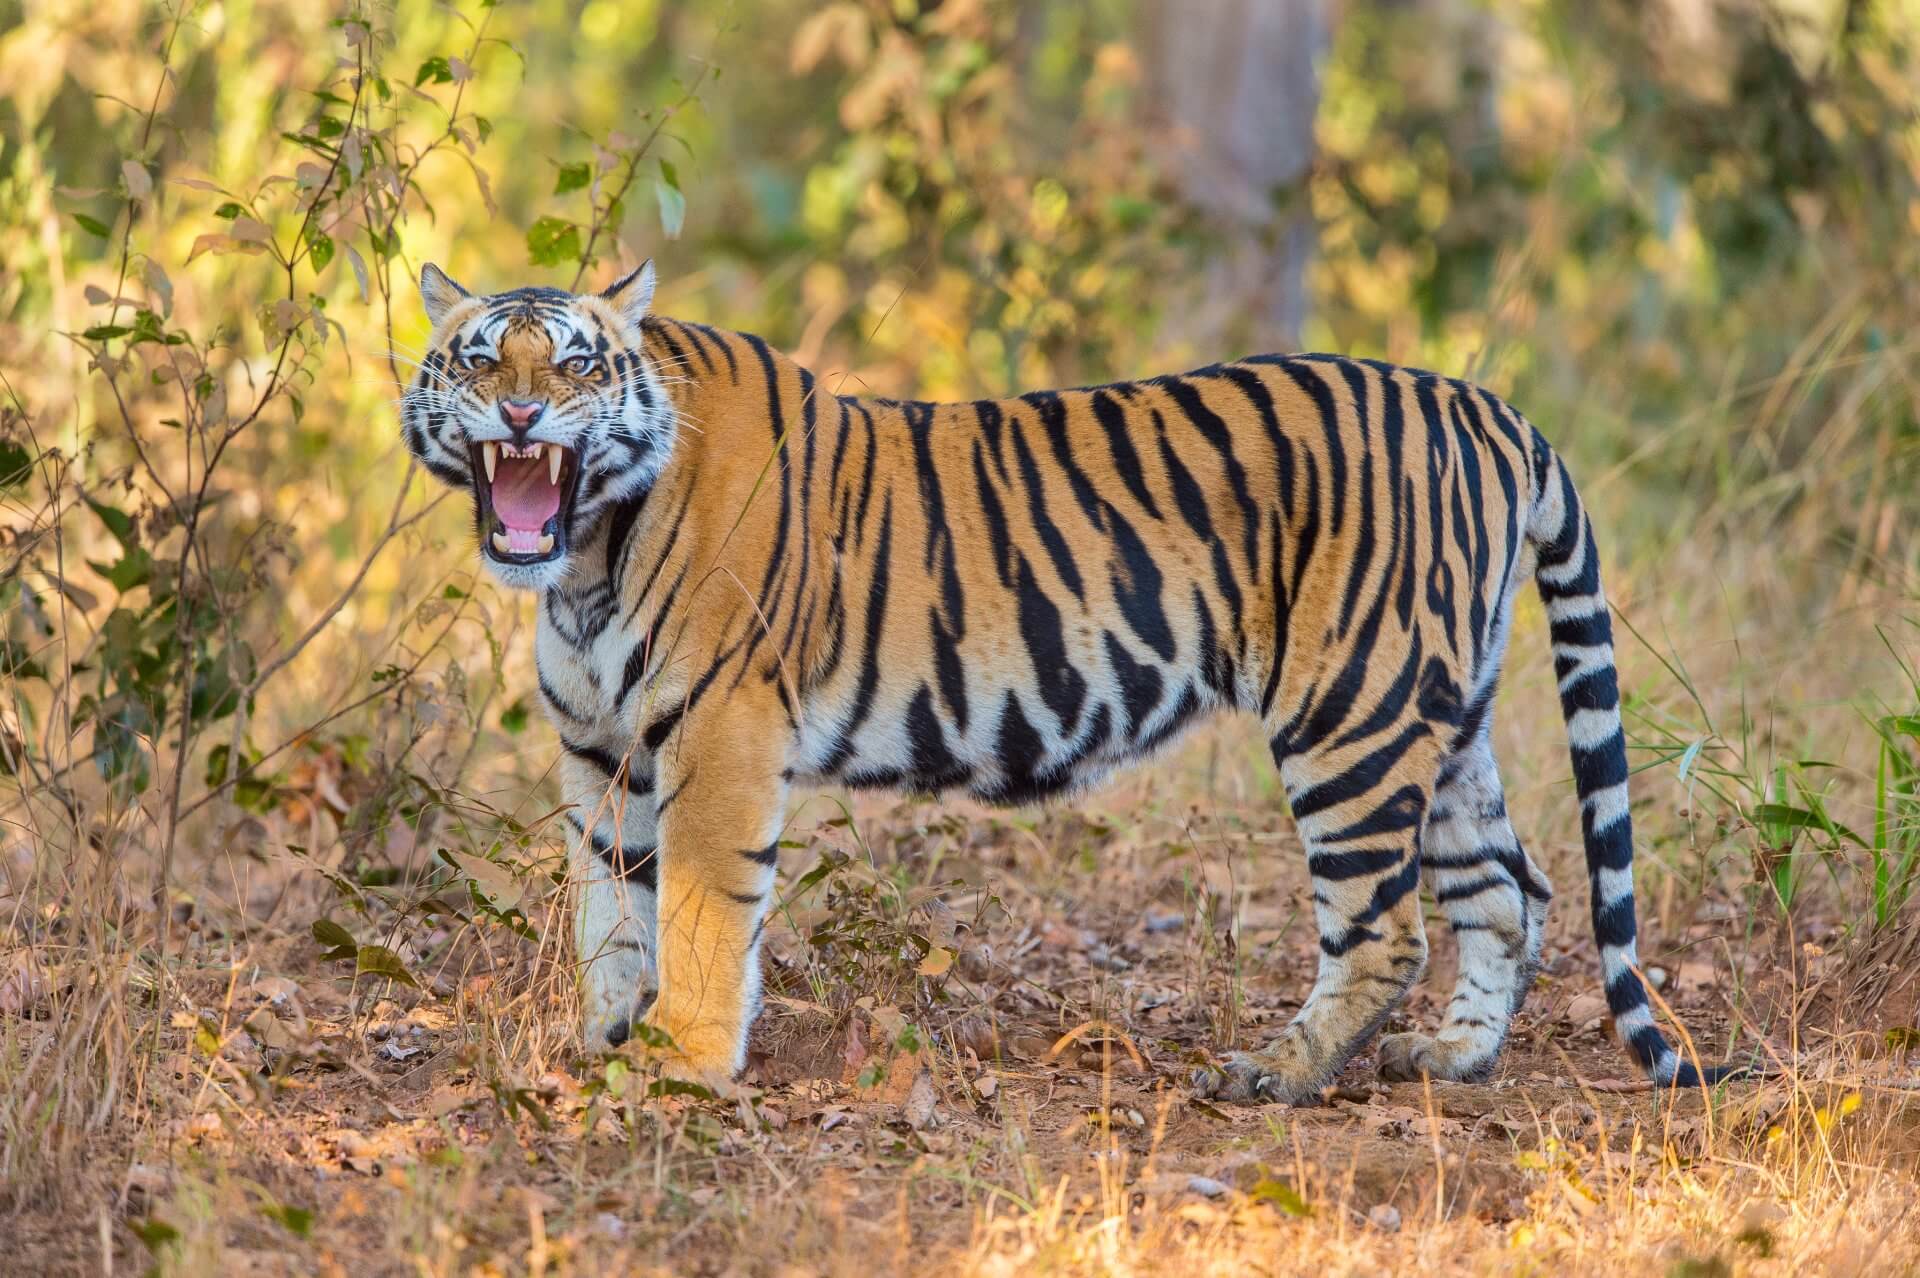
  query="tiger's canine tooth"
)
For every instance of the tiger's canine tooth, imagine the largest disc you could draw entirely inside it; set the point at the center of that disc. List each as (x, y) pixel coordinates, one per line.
(501, 544)
(553, 464)
(490, 451)
(545, 543)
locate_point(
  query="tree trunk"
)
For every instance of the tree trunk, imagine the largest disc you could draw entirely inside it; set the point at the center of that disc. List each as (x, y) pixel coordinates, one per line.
(1235, 85)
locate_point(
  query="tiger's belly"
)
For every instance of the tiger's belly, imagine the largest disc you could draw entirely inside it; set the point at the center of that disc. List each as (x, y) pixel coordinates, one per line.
(1000, 740)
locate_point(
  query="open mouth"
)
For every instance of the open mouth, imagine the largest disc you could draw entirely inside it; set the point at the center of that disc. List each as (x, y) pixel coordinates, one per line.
(523, 496)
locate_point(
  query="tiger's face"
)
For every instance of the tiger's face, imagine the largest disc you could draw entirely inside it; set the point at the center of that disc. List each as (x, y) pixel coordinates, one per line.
(544, 404)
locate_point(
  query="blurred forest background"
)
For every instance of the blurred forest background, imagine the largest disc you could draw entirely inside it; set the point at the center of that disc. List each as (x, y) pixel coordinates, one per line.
(250, 683)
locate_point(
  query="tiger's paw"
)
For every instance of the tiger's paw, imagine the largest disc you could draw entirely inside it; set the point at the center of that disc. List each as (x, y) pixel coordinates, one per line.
(1251, 1077)
(703, 1052)
(617, 990)
(717, 1078)
(1407, 1058)
(612, 1025)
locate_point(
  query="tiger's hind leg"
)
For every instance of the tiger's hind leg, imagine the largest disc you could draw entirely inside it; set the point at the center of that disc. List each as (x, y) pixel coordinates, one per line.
(1495, 898)
(1359, 806)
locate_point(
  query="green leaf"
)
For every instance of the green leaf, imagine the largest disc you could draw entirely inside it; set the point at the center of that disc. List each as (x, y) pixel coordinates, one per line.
(101, 332)
(435, 69)
(229, 211)
(135, 568)
(118, 522)
(329, 933)
(15, 464)
(1686, 760)
(297, 1220)
(154, 1232)
(652, 1036)
(679, 1087)
(1789, 817)
(217, 763)
(93, 224)
(378, 960)
(551, 241)
(571, 178)
(320, 246)
(513, 720)
(673, 207)
(1283, 1196)
(16, 664)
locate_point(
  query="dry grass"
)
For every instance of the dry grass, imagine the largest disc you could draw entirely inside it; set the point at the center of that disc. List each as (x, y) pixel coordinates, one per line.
(245, 1106)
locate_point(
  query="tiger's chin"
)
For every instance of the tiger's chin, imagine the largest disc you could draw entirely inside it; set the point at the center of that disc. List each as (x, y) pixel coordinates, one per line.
(523, 508)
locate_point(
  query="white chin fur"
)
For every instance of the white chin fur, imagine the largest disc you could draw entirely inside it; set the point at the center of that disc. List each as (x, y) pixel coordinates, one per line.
(534, 577)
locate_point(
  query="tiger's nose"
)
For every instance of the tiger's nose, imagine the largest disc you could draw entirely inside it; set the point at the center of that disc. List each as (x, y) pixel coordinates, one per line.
(520, 415)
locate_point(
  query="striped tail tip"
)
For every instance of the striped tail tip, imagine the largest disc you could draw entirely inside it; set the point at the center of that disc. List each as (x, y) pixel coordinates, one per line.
(1633, 1021)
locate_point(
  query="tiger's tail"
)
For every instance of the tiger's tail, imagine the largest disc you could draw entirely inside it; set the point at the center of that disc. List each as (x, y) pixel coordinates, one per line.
(1568, 577)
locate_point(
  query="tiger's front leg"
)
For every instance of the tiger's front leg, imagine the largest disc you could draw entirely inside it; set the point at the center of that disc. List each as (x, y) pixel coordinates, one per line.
(722, 804)
(613, 863)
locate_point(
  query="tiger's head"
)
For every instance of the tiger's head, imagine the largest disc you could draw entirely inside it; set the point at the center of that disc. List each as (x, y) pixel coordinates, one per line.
(543, 402)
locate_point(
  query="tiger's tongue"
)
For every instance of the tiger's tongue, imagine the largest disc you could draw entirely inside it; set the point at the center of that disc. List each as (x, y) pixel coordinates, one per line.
(522, 498)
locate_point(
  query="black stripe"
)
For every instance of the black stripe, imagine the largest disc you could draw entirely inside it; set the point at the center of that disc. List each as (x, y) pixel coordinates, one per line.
(1056, 545)
(870, 653)
(1215, 432)
(635, 780)
(1061, 686)
(1126, 459)
(657, 732)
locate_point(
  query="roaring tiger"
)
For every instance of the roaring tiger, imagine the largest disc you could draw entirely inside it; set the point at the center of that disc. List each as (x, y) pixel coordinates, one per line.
(749, 583)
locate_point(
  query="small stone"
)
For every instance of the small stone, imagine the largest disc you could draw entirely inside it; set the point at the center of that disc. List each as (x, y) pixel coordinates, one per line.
(1029, 1046)
(918, 1109)
(1163, 921)
(1385, 1217)
(275, 989)
(147, 1183)
(985, 1086)
(1586, 1010)
(1206, 1186)
(978, 1035)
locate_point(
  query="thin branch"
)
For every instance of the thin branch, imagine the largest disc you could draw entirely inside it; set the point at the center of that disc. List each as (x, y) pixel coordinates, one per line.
(395, 526)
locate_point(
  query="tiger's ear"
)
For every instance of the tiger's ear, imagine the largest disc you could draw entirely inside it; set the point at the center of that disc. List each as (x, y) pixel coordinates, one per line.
(439, 292)
(632, 293)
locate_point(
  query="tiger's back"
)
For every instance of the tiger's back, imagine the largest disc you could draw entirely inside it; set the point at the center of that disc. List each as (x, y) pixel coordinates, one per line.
(1012, 597)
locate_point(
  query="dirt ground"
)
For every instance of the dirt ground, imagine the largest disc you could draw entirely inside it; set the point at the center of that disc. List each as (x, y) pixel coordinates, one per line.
(973, 1058)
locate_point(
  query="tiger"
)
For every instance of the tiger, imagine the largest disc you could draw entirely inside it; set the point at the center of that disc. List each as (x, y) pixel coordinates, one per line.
(749, 583)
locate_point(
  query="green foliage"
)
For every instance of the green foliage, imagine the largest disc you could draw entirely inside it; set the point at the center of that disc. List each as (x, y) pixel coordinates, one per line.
(551, 241)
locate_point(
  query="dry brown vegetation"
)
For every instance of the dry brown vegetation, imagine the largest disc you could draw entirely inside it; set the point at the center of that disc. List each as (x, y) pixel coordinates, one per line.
(284, 985)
